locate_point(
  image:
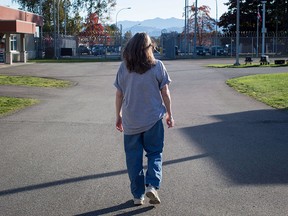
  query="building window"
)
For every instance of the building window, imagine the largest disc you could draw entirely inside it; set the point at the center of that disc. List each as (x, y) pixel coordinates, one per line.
(13, 39)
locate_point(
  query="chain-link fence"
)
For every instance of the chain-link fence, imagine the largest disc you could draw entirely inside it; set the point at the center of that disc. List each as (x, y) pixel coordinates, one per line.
(102, 46)
(175, 45)
(171, 45)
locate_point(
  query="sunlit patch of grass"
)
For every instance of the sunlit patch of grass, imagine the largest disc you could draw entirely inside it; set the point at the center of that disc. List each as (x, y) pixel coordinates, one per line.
(10, 105)
(33, 81)
(271, 89)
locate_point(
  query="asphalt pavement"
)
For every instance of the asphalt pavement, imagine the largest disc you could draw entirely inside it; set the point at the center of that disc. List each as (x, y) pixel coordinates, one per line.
(227, 154)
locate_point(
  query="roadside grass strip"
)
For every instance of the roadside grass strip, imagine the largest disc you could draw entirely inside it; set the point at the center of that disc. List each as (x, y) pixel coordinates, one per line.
(271, 89)
(10, 105)
(245, 65)
(76, 60)
(33, 81)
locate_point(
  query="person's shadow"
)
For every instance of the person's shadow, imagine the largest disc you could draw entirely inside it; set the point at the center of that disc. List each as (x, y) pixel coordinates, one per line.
(126, 209)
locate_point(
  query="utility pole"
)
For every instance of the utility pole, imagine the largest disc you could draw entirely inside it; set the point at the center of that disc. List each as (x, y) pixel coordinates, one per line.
(216, 38)
(58, 30)
(65, 18)
(263, 27)
(185, 26)
(237, 33)
(195, 29)
(40, 54)
(257, 42)
(54, 22)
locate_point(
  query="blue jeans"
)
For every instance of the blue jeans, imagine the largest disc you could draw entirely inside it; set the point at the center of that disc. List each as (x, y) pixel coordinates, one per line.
(152, 141)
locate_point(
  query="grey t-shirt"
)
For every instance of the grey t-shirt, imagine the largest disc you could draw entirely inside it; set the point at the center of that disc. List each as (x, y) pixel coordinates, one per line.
(142, 104)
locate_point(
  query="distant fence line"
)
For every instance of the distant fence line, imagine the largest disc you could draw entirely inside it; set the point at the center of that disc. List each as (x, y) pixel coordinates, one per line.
(173, 43)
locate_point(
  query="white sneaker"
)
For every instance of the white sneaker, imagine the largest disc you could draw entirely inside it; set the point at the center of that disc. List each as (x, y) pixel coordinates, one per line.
(152, 194)
(138, 201)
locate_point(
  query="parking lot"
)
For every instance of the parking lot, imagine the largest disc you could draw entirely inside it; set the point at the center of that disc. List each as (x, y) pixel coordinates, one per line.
(227, 154)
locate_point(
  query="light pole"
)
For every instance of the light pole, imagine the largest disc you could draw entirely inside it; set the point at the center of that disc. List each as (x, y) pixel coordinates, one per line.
(128, 8)
(58, 29)
(195, 29)
(237, 33)
(40, 55)
(276, 42)
(263, 27)
(216, 38)
(54, 22)
(134, 27)
(257, 42)
(185, 26)
(65, 18)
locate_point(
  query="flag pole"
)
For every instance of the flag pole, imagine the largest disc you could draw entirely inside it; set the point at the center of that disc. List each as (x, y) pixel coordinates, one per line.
(263, 27)
(257, 43)
(237, 33)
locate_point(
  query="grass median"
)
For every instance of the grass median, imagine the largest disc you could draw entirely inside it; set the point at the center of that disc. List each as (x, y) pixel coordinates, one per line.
(271, 89)
(9, 105)
(245, 65)
(33, 81)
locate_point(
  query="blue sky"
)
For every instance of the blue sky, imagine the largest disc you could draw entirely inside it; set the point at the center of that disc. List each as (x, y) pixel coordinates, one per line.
(149, 9)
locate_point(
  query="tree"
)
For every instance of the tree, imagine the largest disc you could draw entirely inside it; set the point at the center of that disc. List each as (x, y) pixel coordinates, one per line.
(127, 36)
(93, 32)
(248, 18)
(69, 8)
(205, 24)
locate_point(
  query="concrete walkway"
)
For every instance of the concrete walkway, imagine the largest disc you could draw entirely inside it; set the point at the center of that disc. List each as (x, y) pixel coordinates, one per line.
(227, 154)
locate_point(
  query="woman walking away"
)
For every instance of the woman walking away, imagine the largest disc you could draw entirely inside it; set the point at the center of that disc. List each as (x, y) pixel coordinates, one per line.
(142, 100)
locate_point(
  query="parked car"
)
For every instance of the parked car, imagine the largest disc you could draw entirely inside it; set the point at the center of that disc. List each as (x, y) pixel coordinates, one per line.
(82, 49)
(200, 50)
(219, 50)
(207, 50)
(98, 49)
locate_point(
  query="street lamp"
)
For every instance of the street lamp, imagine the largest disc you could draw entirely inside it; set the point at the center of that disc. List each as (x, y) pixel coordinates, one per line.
(263, 27)
(128, 8)
(186, 30)
(195, 28)
(237, 33)
(216, 38)
(54, 23)
(257, 45)
(134, 27)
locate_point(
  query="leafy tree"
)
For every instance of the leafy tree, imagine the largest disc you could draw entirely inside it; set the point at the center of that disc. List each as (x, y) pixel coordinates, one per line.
(248, 15)
(127, 36)
(205, 23)
(69, 8)
(111, 31)
(93, 32)
(74, 24)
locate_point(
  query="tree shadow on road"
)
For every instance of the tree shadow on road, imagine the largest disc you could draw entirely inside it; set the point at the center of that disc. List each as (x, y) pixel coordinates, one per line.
(250, 147)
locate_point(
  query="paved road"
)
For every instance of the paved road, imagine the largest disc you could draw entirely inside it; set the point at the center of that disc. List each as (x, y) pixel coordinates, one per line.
(226, 156)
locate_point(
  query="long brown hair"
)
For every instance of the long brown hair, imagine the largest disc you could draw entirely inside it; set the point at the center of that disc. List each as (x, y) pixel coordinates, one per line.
(138, 53)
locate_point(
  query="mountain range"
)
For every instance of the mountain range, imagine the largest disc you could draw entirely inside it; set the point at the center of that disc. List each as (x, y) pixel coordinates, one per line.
(153, 27)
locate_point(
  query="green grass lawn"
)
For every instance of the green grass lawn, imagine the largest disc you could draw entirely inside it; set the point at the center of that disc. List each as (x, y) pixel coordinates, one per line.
(9, 104)
(76, 60)
(245, 65)
(33, 81)
(271, 89)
